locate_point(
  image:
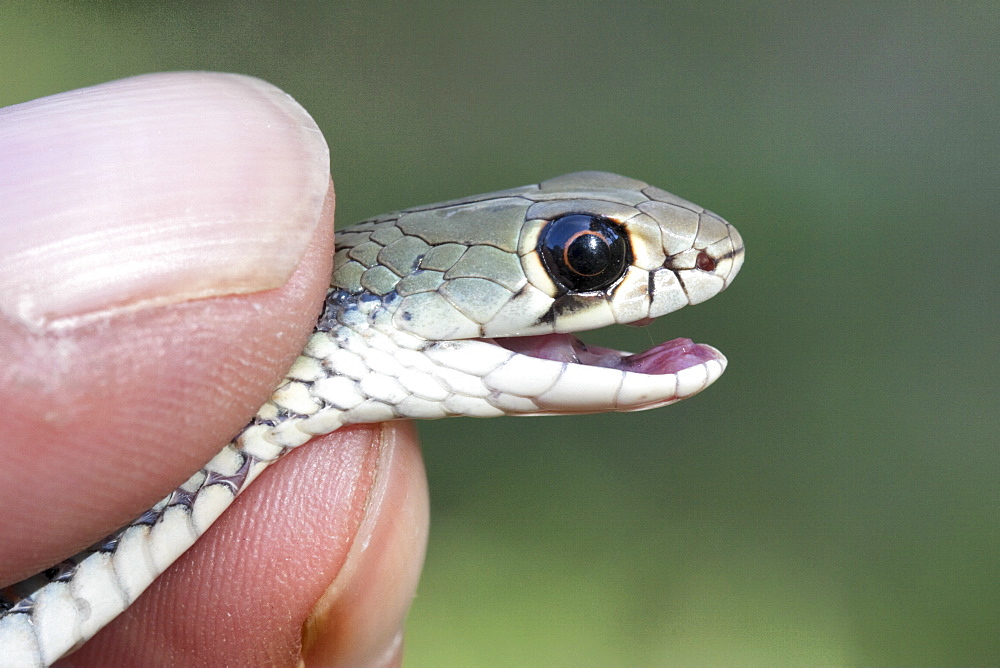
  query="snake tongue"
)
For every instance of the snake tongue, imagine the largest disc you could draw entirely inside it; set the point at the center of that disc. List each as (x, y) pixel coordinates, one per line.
(669, 357)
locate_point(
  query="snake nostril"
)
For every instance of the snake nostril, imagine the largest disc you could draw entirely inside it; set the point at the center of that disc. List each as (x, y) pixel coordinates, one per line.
(705, 262)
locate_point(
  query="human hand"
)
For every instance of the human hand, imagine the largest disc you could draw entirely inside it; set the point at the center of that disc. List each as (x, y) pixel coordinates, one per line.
(167, 245)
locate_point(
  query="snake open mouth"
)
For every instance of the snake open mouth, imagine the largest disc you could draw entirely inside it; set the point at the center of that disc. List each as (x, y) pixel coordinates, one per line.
(665, 358)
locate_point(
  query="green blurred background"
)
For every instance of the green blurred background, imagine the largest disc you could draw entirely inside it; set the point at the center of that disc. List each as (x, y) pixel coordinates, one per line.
(834, 498)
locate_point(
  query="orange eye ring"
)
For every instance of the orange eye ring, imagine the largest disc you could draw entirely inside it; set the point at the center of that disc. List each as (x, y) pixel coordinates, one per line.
(591, 239)
(584, 253)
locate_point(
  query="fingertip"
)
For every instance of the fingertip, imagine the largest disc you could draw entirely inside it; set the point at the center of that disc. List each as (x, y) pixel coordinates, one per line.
(154, 189)
(315, 564)
(359, 618)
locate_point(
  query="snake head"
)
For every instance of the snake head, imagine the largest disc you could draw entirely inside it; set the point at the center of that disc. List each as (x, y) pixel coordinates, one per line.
(495, 284)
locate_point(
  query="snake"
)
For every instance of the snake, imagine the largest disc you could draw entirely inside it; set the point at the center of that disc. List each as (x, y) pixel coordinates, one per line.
(461, 308)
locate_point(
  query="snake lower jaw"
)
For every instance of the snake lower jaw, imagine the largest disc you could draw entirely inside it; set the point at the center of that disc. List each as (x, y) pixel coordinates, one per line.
(590, 379)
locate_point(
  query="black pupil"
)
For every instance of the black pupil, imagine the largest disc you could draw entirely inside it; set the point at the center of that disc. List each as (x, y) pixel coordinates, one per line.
(583, 253)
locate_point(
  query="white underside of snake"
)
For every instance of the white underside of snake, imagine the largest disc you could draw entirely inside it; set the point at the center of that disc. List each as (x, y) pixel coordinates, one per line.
(458, 308)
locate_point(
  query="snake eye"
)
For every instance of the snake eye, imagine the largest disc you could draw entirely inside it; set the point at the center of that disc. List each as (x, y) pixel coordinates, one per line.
(584, 253)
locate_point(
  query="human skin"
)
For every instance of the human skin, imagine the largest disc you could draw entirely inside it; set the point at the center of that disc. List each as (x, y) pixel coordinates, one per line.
(168, 242)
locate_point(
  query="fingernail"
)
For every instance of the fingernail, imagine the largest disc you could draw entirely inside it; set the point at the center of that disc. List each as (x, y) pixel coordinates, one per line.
(359, 619)
(153, 190)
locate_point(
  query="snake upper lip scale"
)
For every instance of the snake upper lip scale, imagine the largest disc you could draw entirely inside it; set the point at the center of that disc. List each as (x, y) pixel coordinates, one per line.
(459, 308)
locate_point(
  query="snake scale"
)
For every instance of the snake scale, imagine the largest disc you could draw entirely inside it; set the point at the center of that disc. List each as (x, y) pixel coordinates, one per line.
(459, 308)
